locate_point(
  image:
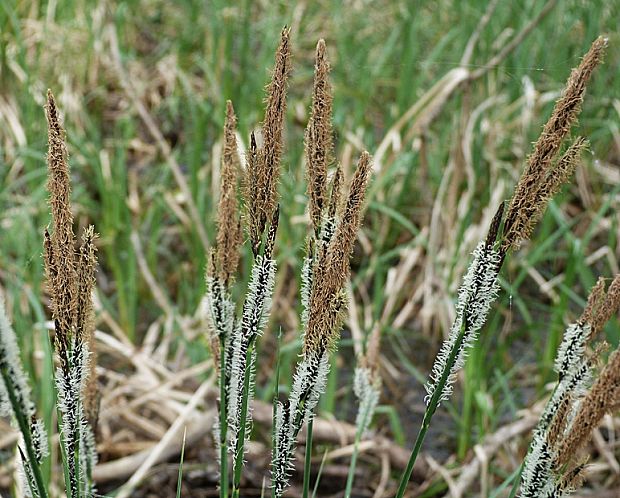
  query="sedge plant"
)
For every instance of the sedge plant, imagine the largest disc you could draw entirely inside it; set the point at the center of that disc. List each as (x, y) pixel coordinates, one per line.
(70, 275)
(547, 169)
(334, 221)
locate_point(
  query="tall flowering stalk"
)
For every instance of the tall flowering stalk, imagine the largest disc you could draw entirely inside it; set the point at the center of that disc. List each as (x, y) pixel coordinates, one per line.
(71, 280)
(233, 340)
(545, 173)
(324, 273)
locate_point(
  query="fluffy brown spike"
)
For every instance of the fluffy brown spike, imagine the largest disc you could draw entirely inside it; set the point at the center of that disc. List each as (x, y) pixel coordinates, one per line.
(60, 248)
(327, 296)
(539, 179)
(85, 322)
(229, 237)
(319, 138)
(267, 159)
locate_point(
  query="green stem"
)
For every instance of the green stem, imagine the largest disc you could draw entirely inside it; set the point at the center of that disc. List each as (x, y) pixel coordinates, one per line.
(223, 425)
(307, 462)
(24, 427)
(353, 464)
(274, 403)
(430, 410)
(239, 449)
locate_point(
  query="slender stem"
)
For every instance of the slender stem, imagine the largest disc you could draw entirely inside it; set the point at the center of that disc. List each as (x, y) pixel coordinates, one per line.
(274, 404)
(307, 461)
(24, 427)
(353, 464)
(223, 425)
(517, 481)
(431, 409)
(239, 449)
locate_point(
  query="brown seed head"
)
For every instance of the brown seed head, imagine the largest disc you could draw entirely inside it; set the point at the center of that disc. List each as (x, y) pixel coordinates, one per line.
(60, 248)
(319, 138)
(540, 180)
(229, 237)
(327, 296)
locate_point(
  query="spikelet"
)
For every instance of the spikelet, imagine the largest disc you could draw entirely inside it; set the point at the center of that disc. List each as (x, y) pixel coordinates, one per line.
(327, 298)
(541, 179)
(263, 169)
(319, 141)
(478, 291)
(85, 322)
(367, 389)
(229, 235)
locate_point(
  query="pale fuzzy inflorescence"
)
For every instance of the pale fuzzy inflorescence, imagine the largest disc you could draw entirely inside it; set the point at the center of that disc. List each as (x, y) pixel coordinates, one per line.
(367, 389)
(309, 384)
(477, 293)
(73, 419)
(12, 371)
(255, 315)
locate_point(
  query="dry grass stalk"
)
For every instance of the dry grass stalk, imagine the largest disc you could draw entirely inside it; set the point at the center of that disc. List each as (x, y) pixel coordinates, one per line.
(263, 170)
(319, 139)
(229, 236)
(331, 271)
(60, 245)
(540, 178)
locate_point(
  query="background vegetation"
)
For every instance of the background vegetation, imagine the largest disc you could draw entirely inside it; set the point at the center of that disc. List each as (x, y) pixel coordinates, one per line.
(143, 86)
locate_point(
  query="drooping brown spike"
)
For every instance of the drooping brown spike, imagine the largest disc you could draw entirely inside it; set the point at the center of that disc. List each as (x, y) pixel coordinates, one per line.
(63, 287)
(85, 322)
(319, 138)
(540, 180)
(229, 235)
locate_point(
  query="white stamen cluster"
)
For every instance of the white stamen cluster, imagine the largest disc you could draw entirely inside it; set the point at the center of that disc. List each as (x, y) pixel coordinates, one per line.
(478, 291)
(309, 383)
(73, 424)
(575, 373)
(12, 372)
(255, 315)
(367, 390)
(220, 308)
